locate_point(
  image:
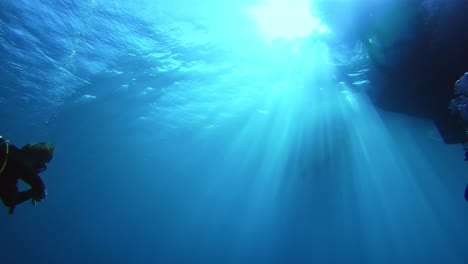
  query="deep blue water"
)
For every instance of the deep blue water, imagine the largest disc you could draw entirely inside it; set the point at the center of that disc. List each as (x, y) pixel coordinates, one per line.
(185, 134)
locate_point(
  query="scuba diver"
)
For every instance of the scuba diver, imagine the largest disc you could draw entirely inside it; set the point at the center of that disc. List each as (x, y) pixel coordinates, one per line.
(25, 164)
(459, 107)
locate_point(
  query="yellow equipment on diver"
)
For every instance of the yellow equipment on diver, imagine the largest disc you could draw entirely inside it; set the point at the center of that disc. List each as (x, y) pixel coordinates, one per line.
(3, 154)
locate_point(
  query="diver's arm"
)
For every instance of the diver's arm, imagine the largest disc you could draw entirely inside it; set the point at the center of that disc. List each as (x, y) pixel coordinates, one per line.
(16, 197)
(33, 180)
(22, 197)
(12, 197)
(38, 191)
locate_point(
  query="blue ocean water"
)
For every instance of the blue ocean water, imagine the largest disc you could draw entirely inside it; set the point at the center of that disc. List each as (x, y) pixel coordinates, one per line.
(218, 132)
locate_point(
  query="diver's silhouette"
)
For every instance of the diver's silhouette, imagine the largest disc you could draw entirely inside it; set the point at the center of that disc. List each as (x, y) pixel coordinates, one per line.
(25, 164)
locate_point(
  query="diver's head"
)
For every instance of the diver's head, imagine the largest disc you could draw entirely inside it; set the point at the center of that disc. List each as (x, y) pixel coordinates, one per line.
(37, 156)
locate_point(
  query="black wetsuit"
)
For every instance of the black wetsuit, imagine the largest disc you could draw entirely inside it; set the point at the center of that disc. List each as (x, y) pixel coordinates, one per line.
(15, 170)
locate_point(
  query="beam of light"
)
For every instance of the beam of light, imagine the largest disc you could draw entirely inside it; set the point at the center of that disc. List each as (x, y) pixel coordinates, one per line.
(285, 19)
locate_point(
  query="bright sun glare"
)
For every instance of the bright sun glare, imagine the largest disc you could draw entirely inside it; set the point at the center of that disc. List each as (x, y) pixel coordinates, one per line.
(285, 19)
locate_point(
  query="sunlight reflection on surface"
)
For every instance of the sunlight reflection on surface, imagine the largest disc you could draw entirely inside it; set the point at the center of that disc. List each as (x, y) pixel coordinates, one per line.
(281, 19)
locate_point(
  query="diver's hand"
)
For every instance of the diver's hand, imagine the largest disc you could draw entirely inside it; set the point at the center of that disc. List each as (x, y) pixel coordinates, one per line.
(39, 197)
